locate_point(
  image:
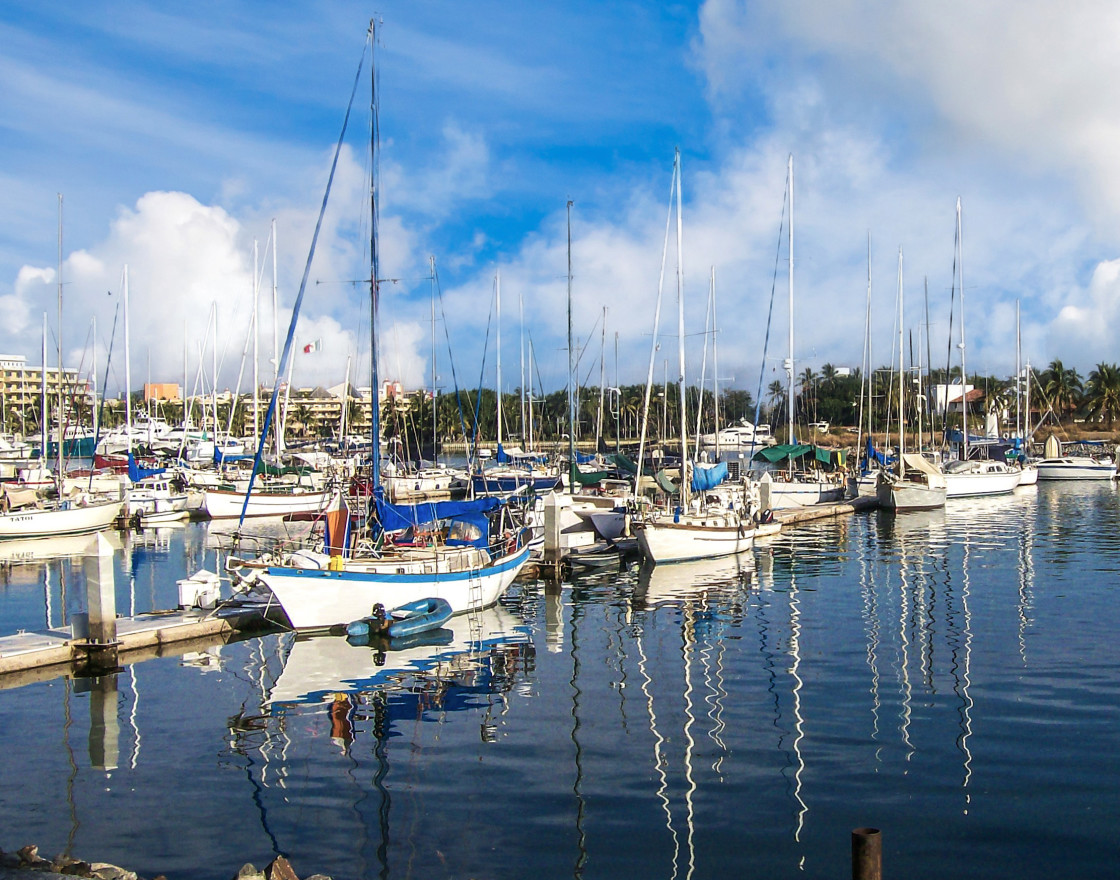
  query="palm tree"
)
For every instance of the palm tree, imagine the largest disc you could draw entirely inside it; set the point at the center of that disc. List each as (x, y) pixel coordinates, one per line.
(1102, 395)
(808, 380)
(1063, 387)
(776, 395)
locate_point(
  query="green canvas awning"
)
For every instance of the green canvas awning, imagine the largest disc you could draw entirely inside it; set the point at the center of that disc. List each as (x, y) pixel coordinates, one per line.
(788, 452)
(622, 462)
(586, 479)
(782, 452)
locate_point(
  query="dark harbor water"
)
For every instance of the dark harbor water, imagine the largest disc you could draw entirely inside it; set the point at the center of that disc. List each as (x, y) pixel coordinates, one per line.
(952, 678)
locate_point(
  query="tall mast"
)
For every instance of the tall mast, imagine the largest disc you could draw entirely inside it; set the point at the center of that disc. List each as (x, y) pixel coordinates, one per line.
(256, 346)
(375, 402)
(127, 367)
(685, 480)
(93, 378)
(964, 371)
(571, 366)
(865, 377)
(602, 379)
(789, 360)
(61, 437)
(1018, 377)
(435, 377)
(214, 373)
(901, 377)
(715, 364)
(275, 329)
(521, 352)
(43, 402)
(529, 448)
(498, 296)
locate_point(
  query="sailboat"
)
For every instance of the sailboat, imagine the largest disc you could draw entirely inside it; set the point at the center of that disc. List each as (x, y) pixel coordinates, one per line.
(464, 552)
(22, 513)
(973, 477)
(794, 488)
(689, 530)
(513, 469)
(917, 484)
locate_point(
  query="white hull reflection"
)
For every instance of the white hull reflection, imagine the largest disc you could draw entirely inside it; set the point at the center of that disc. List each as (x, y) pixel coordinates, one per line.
(318, 667)
(666, 584)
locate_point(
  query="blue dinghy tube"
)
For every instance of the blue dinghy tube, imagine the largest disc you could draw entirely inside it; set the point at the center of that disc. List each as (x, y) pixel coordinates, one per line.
(418, 617)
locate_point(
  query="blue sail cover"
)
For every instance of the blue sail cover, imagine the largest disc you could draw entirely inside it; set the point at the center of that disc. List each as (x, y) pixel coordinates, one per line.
(396, 517)
(704, 478)
(220, 457)
(504, 457)
(137, 473)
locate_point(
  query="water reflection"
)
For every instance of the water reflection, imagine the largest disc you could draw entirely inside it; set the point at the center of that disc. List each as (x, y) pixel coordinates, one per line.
(711, 720)
(317, 667)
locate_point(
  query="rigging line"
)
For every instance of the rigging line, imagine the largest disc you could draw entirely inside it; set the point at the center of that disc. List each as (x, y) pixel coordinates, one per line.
(451, 359)
(481, 373)
(281, 369)
(770, 315)
(108, 364)
(673, 191)
(949, 346)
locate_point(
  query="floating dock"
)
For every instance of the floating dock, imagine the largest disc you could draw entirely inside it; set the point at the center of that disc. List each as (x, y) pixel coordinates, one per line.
(26, 657)
(794, 515)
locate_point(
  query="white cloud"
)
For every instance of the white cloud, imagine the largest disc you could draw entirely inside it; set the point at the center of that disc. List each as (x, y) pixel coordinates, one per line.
(1085, 324)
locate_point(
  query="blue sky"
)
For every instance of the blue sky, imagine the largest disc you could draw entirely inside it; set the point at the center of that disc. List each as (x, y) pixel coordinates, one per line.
(177, 137)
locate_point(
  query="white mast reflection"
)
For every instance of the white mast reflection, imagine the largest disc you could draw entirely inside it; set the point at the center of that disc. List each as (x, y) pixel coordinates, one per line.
(688, 634)
(904, 667)
(799, 721)
(658, 742)
(135, 757)
(1026, 582)
(871, 620)
(966, 700)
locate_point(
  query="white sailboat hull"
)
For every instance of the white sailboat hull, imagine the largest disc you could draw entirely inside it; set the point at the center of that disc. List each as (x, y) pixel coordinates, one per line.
(320, 599)
(971, 485)
(901, 495)
(693, 536)
(221, 504)
(68, 520)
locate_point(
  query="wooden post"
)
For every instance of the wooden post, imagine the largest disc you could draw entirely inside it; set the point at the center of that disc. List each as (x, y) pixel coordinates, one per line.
(867, 854)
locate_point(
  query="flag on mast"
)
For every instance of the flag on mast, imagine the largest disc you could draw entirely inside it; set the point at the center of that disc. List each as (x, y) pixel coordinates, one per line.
(317, 345)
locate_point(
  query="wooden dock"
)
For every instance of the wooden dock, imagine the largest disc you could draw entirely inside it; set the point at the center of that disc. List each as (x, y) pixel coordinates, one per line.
(795, 515)
(34, 656)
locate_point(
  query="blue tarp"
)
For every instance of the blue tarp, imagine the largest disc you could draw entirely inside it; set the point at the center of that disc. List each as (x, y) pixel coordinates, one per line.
(395, 517)
(874, 454)
(220, 457)
(704, 478)
(137, 473)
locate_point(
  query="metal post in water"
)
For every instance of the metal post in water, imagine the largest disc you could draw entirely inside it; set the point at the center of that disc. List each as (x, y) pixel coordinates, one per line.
(867, 854)
(101, 645)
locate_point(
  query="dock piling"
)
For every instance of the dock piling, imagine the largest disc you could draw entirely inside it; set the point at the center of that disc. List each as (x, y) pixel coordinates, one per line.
(100, 646)
(867, 854)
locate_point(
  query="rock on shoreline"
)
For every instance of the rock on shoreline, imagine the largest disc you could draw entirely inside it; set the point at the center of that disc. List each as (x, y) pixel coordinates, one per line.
(17, 866)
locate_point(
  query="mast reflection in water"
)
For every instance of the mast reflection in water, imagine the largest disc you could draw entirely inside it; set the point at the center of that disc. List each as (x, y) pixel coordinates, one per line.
(949, 676)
